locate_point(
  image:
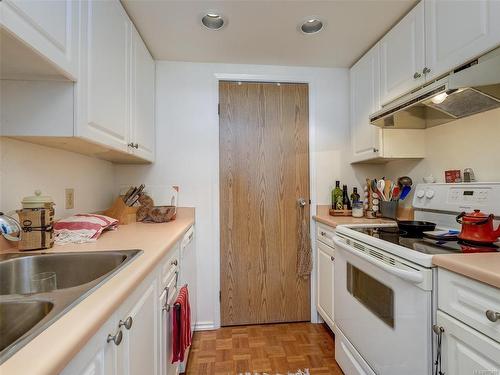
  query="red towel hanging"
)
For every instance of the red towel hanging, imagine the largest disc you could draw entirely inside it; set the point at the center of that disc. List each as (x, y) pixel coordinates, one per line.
(181, 325)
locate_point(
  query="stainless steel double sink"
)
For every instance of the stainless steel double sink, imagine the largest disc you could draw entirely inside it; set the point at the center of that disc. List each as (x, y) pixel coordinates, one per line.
(26, 309)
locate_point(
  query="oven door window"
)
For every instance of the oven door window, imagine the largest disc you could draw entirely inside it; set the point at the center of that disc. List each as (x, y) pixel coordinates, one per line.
(375, 296)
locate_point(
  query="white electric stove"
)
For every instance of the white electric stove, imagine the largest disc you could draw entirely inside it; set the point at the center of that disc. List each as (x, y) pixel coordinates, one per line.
(384, 282)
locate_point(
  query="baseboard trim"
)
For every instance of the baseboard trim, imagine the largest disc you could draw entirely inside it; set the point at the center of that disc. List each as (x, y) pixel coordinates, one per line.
(204, 326)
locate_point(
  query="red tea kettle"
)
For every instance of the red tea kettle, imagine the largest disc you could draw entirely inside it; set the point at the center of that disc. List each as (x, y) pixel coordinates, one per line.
(477, 227)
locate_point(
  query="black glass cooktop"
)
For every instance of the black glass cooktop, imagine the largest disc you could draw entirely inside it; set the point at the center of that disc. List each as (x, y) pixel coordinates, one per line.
(425, 245)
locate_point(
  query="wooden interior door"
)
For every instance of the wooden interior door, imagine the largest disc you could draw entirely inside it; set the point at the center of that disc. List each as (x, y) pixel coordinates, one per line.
(264, 170)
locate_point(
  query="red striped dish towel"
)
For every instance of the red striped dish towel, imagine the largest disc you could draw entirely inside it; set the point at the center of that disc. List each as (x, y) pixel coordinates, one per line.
(181, 325)
(82, 228)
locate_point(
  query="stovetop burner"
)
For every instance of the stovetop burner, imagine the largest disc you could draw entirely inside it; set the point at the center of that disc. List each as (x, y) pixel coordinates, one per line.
(426, 245)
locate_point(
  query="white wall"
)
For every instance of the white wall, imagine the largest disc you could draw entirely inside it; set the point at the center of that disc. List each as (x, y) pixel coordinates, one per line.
(472, 142)
(25, 167)
(188, 144)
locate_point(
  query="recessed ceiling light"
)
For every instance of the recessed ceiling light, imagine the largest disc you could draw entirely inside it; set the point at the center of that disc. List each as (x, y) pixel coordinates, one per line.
(311, 26)
(212, 21)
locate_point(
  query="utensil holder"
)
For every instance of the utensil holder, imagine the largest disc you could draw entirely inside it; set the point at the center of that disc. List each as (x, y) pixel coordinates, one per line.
(389, 209)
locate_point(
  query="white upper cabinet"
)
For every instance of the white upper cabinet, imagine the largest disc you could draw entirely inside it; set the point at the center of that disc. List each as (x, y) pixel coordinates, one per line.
(370, 143)
(107, 92)
(402, 56)
(458, 31)
(365, 99)
(45, 28)
(143, 99)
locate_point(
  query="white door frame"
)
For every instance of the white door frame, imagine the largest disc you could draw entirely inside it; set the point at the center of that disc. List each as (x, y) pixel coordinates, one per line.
(312, 177)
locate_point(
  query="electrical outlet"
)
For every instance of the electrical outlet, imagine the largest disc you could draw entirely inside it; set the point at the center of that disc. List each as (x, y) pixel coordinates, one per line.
(69, 199)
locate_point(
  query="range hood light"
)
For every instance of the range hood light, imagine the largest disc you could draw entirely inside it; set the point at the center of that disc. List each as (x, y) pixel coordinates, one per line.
(439, 98)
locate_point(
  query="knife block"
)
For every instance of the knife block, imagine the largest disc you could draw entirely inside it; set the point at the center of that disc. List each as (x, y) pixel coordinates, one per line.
(121, 212)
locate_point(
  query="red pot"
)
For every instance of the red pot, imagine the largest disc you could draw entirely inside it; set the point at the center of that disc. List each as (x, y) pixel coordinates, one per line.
(477, 227)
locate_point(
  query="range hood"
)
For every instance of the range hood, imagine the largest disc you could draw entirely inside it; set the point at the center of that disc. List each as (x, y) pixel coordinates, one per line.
(468, 90)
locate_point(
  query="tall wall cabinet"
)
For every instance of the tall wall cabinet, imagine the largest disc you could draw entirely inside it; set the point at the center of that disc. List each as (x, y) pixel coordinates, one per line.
(435, 37)
(106, 108)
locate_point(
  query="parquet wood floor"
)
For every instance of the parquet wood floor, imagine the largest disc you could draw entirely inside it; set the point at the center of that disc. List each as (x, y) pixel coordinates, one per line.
(264, 349)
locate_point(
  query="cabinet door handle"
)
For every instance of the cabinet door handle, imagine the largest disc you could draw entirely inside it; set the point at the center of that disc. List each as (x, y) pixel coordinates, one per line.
(332, 258)
(375, 150)
(417, 75)
(116, 338)
(136, 145)
(492, 316)
(131, 144)
(323, 233)
(174, 262)
(127, 323)
(426, 70)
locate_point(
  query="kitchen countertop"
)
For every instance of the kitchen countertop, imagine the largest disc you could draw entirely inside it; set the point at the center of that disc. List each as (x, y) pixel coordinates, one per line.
(53, 349)
(481, 267)
(322, 216)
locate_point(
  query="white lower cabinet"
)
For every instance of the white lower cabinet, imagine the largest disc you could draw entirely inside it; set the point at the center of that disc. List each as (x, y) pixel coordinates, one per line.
(325, 263)
(135, 339)
(139, 324)
(326, 259)
(99, 356)
(466, 351)
(469, 320)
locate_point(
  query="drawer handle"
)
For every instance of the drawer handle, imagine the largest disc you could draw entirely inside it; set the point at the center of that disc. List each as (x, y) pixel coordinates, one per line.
(332, 258)
(127, 323)
(116, 338)
(492, 316)
(323, 233)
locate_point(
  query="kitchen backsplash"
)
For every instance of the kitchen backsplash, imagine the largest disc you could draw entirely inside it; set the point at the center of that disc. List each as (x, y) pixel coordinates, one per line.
(25, 167)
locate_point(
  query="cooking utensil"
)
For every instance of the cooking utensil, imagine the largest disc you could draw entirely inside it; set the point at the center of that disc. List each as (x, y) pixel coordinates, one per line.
(380, 189)
(442, 235)
(137, 195)
(129, 192)
(416, 228)
(405, 181)
(387, 189)
(406, 190)
(395, 193)
(477, 227)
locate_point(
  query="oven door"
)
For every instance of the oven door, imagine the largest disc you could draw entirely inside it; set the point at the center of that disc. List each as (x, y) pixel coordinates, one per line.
(383, 307)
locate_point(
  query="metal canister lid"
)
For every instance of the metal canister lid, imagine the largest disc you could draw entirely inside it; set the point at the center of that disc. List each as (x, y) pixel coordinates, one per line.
(37, 201)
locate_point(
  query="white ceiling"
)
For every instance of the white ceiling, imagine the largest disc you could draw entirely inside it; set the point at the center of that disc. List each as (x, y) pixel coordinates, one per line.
(264, 32)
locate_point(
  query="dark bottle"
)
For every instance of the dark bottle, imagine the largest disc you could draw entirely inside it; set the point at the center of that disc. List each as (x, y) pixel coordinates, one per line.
(345, 199)
(336, 196)
(355, 196)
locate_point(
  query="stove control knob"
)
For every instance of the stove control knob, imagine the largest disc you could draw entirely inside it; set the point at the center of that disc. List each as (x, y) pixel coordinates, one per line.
(420, 194)
(429, 194)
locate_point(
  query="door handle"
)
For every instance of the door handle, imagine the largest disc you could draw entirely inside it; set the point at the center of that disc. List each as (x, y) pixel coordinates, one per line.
(492, 316)
(116, 338)
(301, 202)
(127, 323)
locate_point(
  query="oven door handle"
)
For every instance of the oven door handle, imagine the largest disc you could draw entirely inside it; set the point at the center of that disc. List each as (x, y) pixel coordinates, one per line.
(413, 277)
